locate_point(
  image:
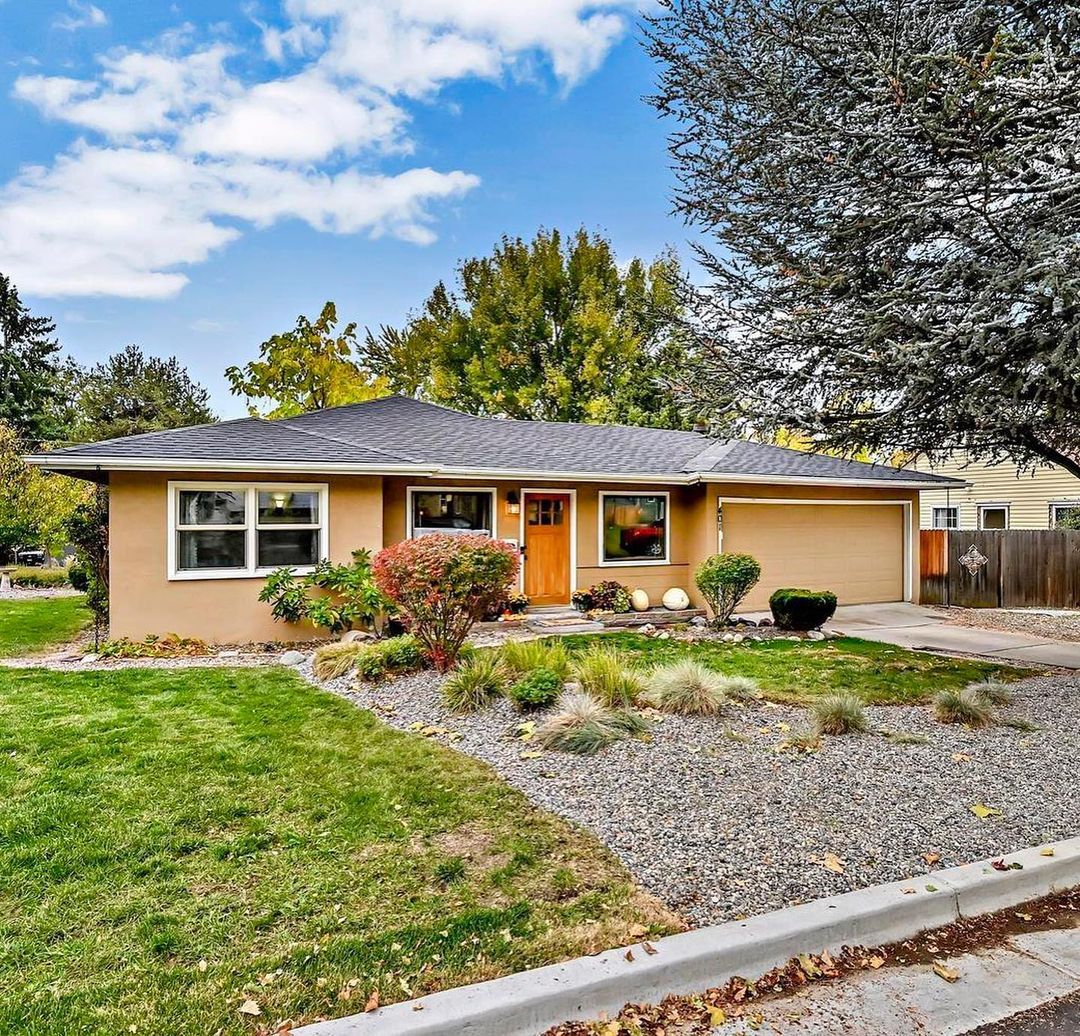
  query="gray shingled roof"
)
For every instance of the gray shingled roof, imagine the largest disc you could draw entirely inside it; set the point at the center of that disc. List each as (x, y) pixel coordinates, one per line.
(397, 432)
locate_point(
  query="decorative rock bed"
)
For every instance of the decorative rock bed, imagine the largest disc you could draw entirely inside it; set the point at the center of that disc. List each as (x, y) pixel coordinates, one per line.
(713, 819)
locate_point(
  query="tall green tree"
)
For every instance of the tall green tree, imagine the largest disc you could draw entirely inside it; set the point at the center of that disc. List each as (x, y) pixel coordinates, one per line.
(894, 192)
(548, 329)
(308, 368)
(130, 393)
(28, 366)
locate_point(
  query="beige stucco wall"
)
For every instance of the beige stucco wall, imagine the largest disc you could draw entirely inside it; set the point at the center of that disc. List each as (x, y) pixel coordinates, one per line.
(370, 511)
(1029, 494)
(144, 600)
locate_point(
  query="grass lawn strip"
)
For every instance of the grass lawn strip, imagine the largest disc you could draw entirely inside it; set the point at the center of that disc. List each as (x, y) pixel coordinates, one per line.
(175, 844)
(28, 625)
(715, 819)
(797, 671)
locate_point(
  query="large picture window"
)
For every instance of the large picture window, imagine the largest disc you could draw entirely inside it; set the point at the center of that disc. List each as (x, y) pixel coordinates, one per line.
(244, 530)
(454, 511)
(633, 528)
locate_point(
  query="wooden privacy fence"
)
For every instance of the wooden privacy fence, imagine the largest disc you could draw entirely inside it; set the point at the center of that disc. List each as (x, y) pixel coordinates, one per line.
(1010, 568)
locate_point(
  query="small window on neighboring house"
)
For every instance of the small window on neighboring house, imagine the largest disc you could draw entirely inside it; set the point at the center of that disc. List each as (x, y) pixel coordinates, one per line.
(993, 516)
(1065, 515)
(946, 517)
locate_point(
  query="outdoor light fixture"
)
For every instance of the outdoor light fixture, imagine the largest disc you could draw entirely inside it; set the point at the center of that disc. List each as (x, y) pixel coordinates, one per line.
(278, 500)
(513, 502)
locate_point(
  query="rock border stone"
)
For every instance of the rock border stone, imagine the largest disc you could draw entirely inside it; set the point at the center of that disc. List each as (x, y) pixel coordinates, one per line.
(527, 1003)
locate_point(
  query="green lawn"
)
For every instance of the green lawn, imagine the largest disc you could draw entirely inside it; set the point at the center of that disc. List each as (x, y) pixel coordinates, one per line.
(31, 624)
(173, 844)
(797, 671)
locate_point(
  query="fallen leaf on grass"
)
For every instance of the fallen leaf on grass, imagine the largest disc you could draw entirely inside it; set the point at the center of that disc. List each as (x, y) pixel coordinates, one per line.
(372, 1002)
(250, 1007)
(717, 1015)
(982, 812)
(944, 971)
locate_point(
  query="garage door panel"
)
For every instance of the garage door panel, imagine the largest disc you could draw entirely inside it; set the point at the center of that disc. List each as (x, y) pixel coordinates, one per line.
(856, 550)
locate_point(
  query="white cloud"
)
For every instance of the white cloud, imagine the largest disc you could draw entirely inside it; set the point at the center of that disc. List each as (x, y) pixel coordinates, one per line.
(413, 46)
(81, 16)
(122, 220)
(183, 155)
(301, 119)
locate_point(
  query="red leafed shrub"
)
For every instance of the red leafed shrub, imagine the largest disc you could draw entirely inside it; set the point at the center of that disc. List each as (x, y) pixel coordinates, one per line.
(443, 584)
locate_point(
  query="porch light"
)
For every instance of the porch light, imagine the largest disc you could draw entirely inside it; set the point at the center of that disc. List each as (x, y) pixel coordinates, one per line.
(278, 500)
(513, 502)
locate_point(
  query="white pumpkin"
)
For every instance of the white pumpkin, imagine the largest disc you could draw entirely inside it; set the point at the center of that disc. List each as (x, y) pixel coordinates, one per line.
(676, 599)
(639, 601)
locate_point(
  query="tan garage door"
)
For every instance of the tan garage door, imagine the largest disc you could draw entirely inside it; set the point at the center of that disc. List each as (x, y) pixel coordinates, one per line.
(855, 550)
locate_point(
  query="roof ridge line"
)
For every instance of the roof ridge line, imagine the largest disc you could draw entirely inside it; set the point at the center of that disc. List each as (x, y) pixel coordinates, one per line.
(347, 442)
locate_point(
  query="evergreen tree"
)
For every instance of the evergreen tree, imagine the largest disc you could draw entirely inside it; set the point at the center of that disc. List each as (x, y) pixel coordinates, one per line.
(28, 348)
(895, 192)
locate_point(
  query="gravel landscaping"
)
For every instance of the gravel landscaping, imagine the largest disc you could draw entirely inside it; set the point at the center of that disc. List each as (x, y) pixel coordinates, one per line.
(1056, 625)
(712, 818)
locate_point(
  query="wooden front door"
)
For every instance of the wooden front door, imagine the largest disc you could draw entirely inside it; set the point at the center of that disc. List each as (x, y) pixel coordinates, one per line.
(547, 548)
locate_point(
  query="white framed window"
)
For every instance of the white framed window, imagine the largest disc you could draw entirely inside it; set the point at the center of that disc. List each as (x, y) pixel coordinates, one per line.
(222, 530)
(993, 516)
(946, 518)
(457, 510)
(634, 529)
(1061, 509)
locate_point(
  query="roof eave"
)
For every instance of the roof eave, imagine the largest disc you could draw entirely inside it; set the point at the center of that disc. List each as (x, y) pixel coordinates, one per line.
(104, 463)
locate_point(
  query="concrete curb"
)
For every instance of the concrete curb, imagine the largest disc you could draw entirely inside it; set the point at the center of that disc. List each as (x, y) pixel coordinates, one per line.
(530, 1002)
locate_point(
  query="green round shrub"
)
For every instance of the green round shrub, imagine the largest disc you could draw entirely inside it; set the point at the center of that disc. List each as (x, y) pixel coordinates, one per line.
(724, 580)
(79, 577)
(539, 689)
(794, 609)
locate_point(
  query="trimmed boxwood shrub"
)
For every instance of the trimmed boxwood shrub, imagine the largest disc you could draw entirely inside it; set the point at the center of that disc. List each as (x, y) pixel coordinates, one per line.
(39, 578)
(795, 609)
(537, 690)
(724, 581)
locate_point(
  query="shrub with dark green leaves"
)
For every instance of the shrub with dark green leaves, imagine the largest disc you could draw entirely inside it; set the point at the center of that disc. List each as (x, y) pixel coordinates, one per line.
(538, 690)
(795, 609)
(724, 581)
(79, 578)
(391, 657)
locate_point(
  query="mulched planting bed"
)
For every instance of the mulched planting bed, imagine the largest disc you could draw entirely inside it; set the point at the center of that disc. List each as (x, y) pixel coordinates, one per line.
(719, 824)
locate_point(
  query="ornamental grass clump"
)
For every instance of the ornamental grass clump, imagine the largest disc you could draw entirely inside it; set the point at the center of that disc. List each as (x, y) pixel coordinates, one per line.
(838, 714)
(687, 687)
(965, 706)
(993, 692)
(476, 683)
(538, 690)
(521, 657)
(801, 741)
(583, 726)
(605, 674)
(334, 660)
(741, 688)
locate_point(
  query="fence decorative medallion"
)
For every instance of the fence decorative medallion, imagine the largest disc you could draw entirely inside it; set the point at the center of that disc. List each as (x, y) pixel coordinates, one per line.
(973, 560)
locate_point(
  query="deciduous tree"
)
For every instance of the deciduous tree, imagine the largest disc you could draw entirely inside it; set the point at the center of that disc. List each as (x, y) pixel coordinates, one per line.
(307, 368)
(894, 189)
(548, 329)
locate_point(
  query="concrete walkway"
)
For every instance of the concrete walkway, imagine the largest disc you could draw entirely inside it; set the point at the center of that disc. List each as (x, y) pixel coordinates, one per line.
(913, 626)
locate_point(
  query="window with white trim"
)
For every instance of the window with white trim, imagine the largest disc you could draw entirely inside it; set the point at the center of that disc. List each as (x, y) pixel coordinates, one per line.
(993, 516)
(231, 529)
(946, 518)
(633, 528)
(1069, 511)
(454, 511)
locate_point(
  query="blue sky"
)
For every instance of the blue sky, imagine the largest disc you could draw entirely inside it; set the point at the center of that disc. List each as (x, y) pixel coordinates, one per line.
(190, 176)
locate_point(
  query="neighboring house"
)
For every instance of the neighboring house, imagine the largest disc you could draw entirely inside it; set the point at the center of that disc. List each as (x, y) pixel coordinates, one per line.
(999, 496)
(199, 515)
